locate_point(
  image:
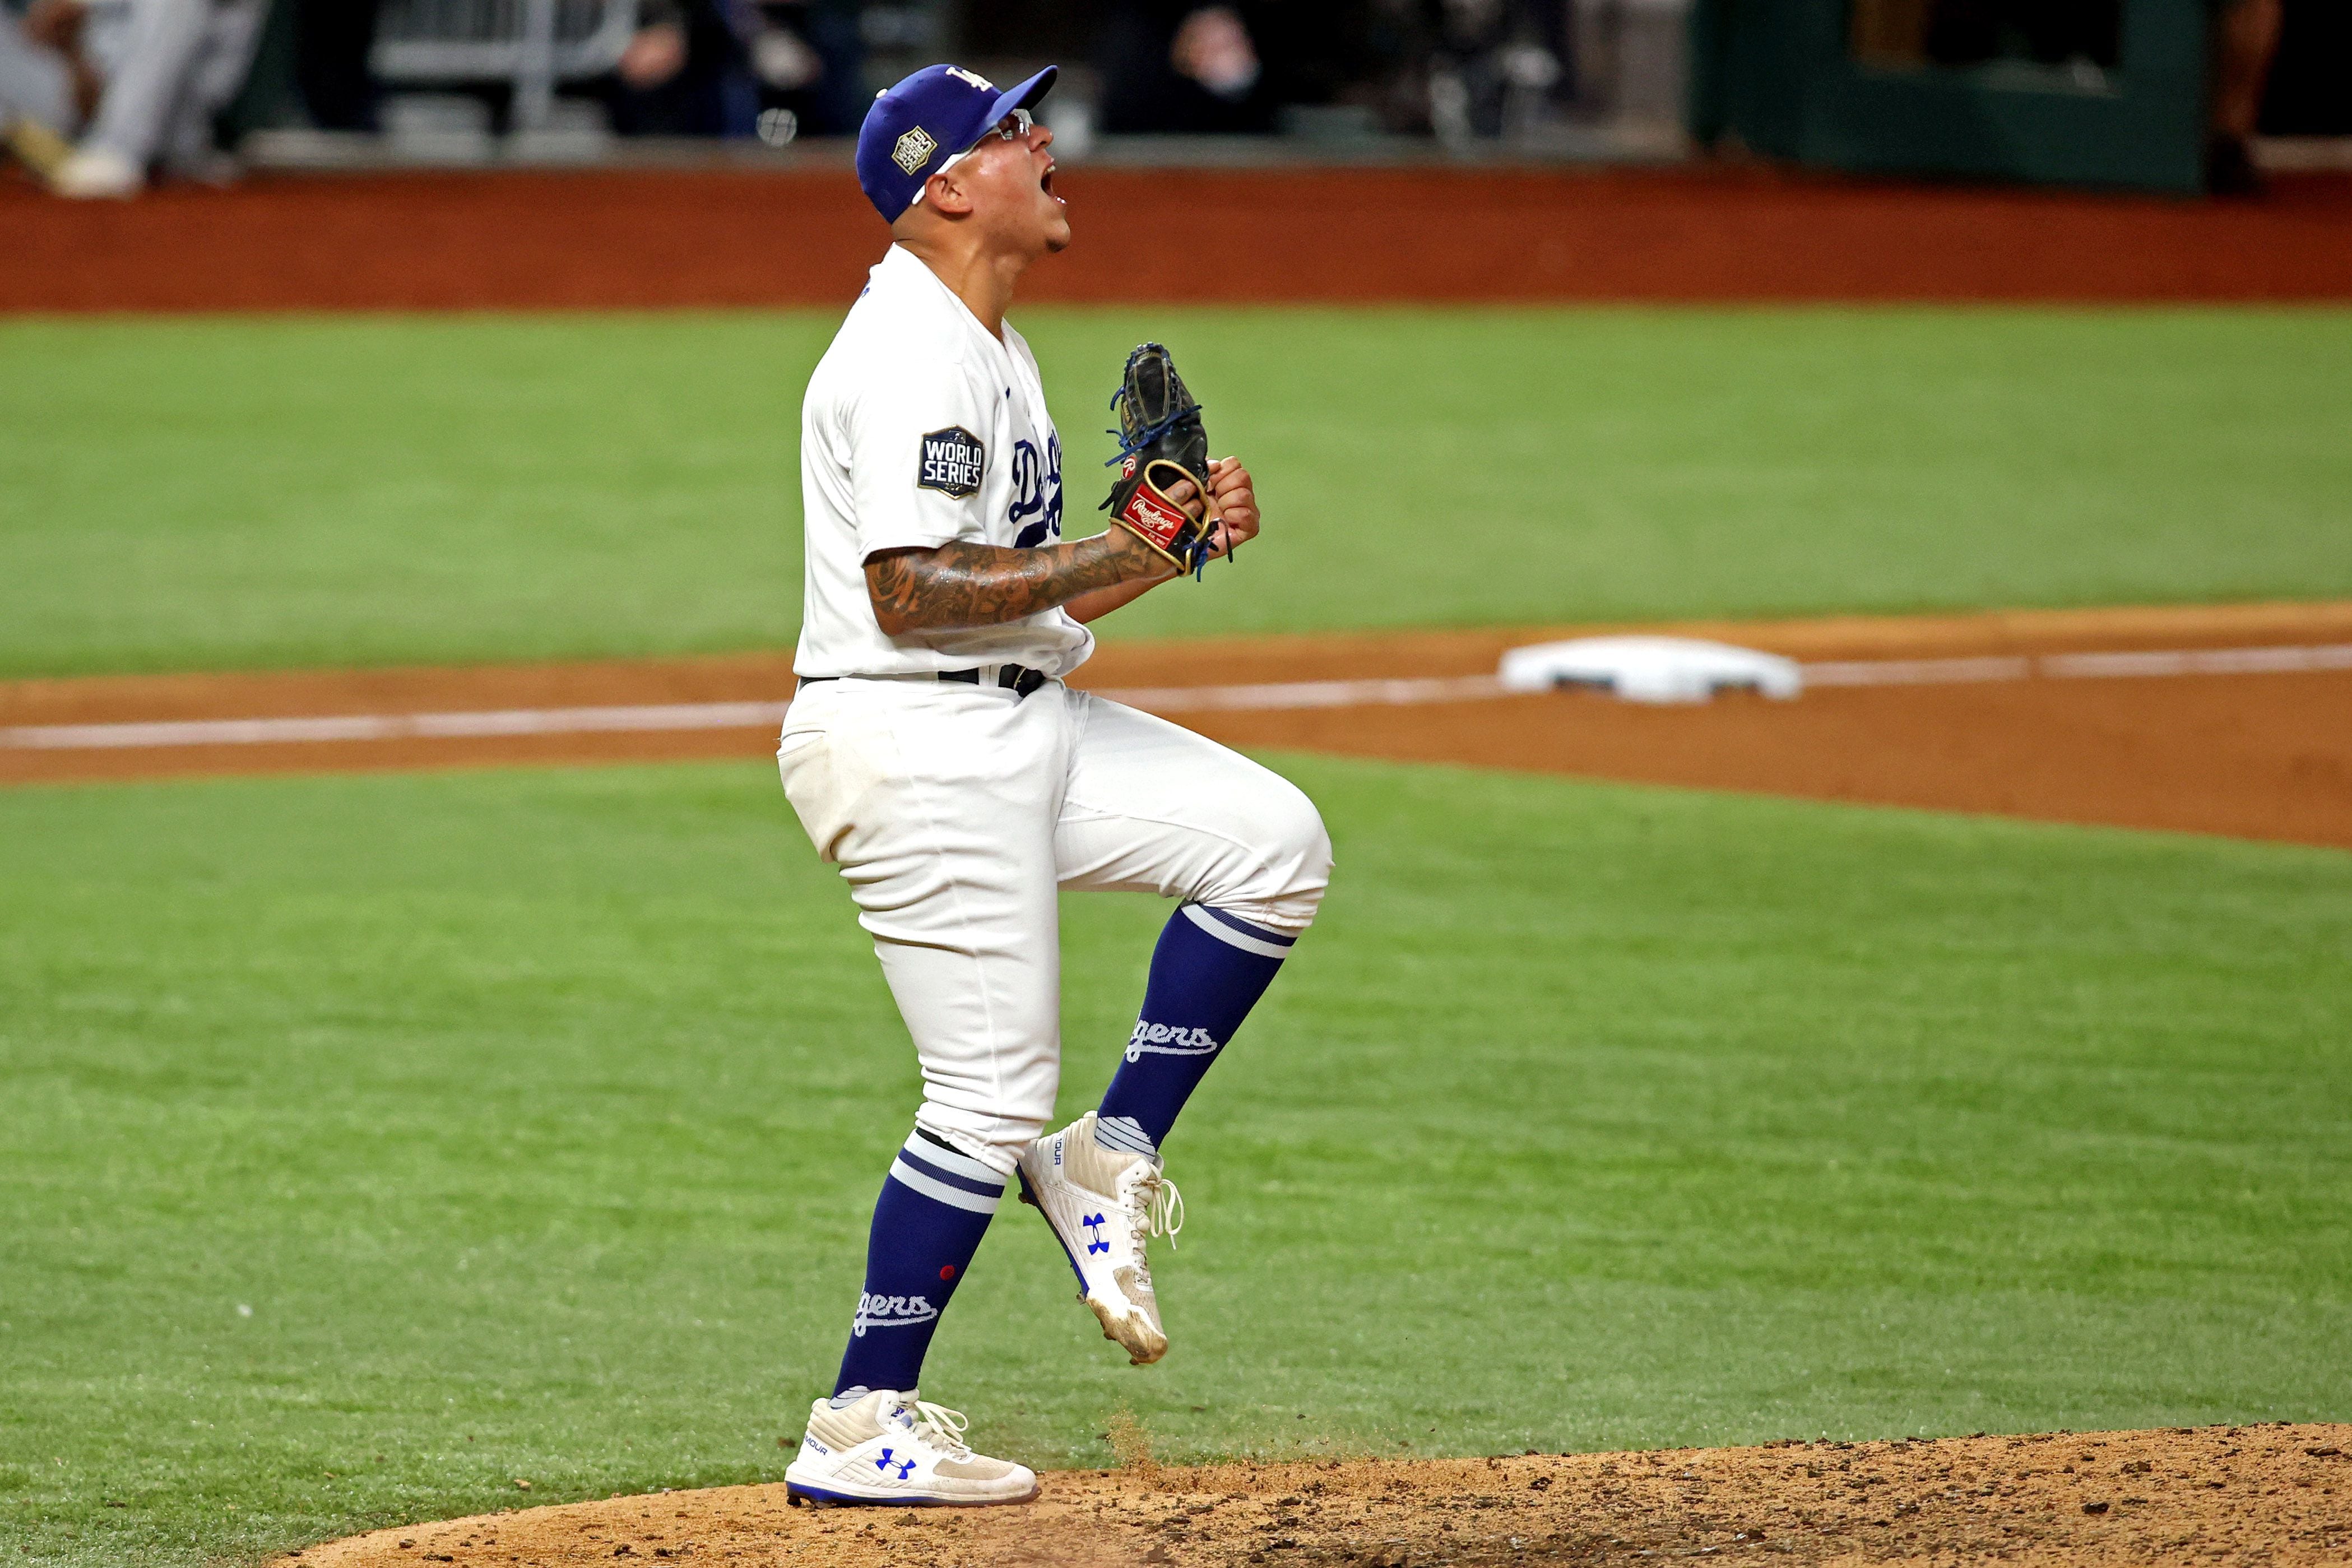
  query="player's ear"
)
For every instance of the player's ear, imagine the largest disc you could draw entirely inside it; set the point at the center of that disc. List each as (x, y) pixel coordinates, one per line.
(943, 193)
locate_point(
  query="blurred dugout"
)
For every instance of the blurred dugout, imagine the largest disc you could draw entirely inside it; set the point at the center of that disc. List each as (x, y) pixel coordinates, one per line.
(663, 67)
(527, 45)
(95, 95)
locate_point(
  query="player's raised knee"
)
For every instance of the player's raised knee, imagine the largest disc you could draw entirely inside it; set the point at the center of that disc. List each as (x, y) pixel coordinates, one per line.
(1293, 855)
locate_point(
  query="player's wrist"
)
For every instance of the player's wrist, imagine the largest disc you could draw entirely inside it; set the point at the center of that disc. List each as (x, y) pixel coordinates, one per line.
(1135, 560)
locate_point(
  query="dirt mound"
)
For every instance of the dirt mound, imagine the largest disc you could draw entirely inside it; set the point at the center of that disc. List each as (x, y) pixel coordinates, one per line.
(2277, 1493)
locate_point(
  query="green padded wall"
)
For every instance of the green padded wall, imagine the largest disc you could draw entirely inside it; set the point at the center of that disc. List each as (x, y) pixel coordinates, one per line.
(1780, 74)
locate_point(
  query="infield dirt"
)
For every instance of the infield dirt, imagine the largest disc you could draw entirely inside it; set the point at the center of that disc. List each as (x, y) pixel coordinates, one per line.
(2268, 1494)
(2249, 755)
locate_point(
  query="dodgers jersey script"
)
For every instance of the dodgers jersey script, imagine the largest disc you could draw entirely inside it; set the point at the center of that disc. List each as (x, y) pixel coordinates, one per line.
(920, 429)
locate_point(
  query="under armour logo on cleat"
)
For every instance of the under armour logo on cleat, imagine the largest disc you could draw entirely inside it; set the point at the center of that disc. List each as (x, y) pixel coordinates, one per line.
(1094, 1222)
(905, 1466)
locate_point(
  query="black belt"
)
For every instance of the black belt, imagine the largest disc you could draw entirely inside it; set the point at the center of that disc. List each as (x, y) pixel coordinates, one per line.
(1017, 678)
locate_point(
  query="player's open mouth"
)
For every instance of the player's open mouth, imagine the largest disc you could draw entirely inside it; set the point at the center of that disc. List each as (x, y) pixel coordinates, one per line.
(1045, 182)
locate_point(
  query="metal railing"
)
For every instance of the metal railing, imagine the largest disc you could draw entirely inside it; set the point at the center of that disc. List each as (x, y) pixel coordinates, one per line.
(533, 44)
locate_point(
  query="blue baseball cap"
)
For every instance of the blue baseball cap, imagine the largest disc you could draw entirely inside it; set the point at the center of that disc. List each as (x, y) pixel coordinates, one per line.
(917, 126)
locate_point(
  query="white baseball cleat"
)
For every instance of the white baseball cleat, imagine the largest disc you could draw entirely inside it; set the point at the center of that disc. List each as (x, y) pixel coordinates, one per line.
(892, 1449)
(1105, 1206)
(95, 173)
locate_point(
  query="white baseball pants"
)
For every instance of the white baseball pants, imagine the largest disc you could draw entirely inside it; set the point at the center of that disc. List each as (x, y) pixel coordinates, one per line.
(170, 65)
(34, 81)
(955, 813)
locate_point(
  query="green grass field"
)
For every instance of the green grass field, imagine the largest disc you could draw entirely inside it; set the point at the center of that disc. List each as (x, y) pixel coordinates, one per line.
(370, 1142)
(366, 1143)
(237, 493)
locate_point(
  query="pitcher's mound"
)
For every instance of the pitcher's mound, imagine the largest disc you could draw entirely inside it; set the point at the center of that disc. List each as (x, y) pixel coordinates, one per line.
(2274, 1494)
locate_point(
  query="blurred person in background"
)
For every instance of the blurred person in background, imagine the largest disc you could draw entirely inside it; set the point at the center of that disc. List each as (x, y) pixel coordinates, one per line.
(2245, 42)
(142, 81)
(1493, 65)
(2246, 34)
(1182, 70)
(687, 71)
(2310, 87)
(332, 41)
(1179, 67)
(709, 68)
(47, 92)
(811, 61)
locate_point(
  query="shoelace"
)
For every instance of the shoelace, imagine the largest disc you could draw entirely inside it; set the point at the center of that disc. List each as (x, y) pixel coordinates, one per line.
(942, 1427)
(1154, 1207)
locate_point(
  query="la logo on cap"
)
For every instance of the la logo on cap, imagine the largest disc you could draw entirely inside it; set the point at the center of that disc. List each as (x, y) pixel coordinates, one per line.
(913, 147)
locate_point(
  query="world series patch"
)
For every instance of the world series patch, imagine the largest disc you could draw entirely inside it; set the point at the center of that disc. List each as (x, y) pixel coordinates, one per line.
(951, 462)
(913, 147)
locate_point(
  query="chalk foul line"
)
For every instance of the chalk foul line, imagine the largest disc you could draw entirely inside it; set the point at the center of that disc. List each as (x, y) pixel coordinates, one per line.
(394, 726)
(1267, 695)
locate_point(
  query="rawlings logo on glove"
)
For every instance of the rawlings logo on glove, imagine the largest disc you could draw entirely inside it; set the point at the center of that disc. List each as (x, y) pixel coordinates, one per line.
(1160, 442)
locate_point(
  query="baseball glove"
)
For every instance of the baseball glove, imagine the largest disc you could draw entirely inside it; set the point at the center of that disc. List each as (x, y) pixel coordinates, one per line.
(1160, 441)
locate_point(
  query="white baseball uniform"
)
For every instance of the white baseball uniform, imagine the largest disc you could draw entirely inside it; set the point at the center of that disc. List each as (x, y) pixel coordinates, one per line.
(169, 66)
(956, 810)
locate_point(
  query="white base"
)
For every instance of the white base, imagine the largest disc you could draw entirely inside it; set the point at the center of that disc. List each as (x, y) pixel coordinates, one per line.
(1650, 669)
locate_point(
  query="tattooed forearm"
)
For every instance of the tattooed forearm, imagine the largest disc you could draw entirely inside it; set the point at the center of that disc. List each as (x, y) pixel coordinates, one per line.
(961, 585)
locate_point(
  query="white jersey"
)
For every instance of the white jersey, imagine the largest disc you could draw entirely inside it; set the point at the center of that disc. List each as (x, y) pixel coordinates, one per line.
(919, 427)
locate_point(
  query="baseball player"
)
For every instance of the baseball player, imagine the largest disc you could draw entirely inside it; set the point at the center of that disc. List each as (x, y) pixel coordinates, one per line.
(934, 755)
(158, 70)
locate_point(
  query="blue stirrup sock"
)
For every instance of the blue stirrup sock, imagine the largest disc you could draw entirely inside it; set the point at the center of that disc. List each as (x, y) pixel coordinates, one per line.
(935, 1206)
(1207, 973)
